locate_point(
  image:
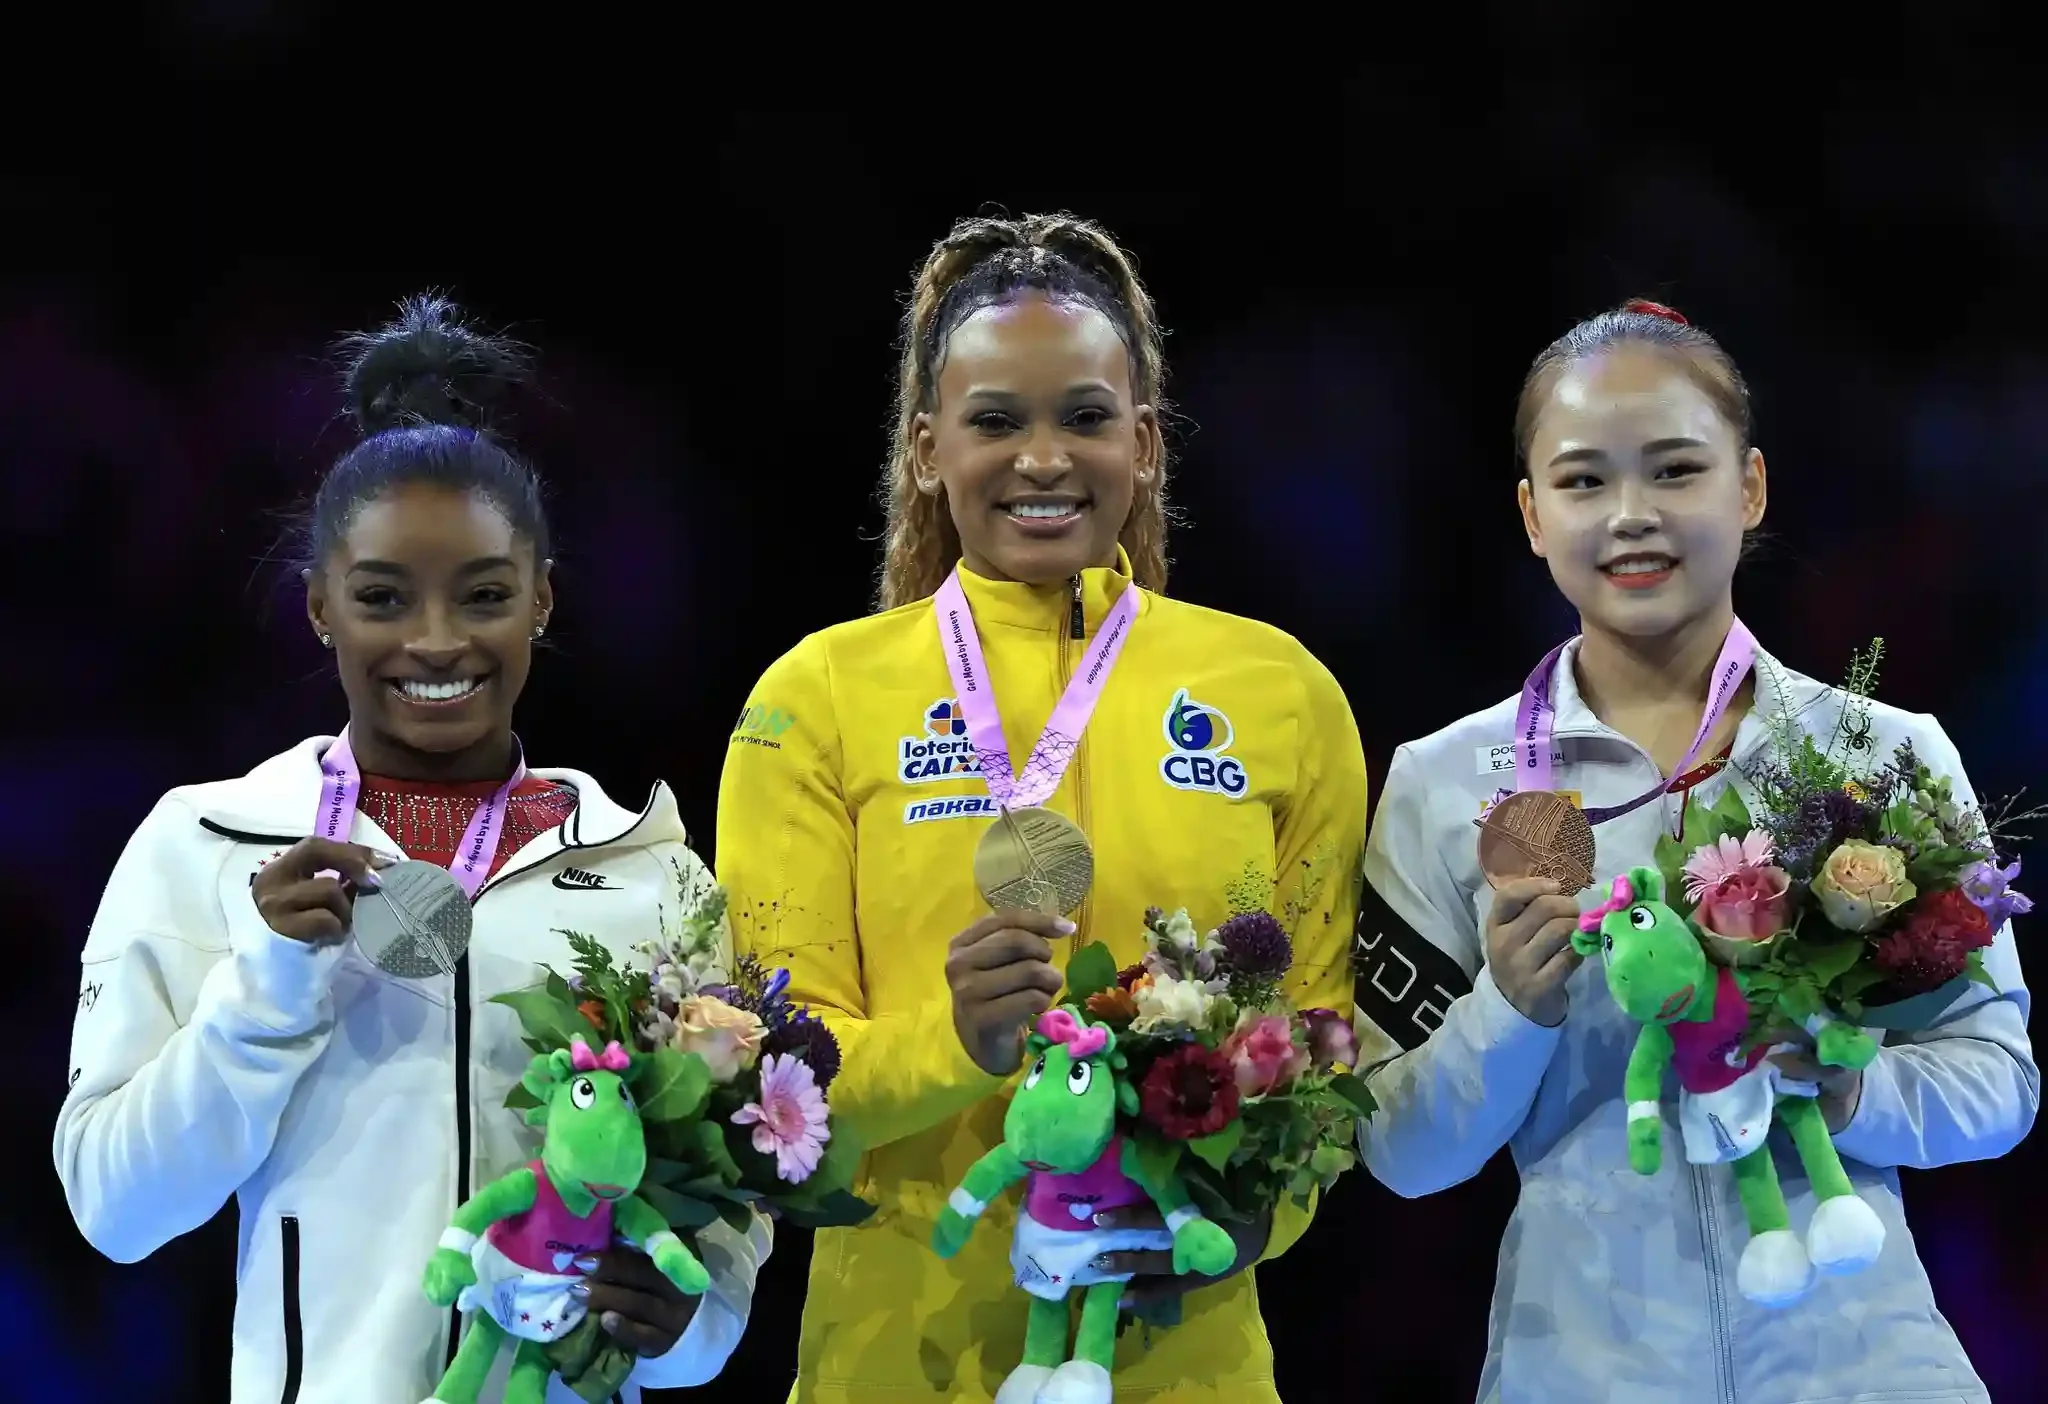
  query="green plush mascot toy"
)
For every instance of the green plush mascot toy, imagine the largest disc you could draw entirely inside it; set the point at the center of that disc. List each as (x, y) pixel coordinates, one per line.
(511, 1253)
(1061, 1134)
(1694, 1016)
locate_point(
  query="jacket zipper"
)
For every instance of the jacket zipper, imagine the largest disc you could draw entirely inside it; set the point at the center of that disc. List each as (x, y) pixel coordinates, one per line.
(1077, 630)
(294, 1328)
(1717, 1284)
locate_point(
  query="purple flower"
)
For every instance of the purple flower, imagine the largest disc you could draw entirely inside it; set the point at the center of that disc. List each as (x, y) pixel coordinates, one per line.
(804, 1036)
(1990, 887)
(1256, 944)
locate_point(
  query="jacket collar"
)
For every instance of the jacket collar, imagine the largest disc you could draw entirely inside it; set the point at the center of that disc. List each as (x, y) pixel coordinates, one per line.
(1779, 690)
(1047, 607)
(277, 800)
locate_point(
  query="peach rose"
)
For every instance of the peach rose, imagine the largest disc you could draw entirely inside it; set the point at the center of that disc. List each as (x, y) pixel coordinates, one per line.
(727, 1039)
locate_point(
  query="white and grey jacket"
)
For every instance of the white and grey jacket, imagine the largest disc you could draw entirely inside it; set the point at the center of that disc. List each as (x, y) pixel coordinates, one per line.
(1613, 1285)
(346, 1111)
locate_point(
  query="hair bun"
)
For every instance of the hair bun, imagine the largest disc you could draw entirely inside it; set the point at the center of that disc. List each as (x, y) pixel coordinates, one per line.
(1644, 307)
(429, 366)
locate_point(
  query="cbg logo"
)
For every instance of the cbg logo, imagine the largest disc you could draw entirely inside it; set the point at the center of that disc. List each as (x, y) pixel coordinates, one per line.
(1200, 735)
(943, 752)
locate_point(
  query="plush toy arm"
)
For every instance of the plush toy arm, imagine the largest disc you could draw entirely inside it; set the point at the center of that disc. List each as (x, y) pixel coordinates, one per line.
(450, 1269)
(1199, 1244)
(641, 1223)
(1836, 1044)
(1644, 1087)
(986, 1178)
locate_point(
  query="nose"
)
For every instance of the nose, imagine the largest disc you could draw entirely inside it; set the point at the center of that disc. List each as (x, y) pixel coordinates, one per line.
(1043, 458)
(443, 642)
(1633, 513)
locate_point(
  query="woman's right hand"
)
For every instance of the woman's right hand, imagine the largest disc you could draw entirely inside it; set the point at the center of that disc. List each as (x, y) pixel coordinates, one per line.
(1001, 973)
(1529, 947)
(307, 893)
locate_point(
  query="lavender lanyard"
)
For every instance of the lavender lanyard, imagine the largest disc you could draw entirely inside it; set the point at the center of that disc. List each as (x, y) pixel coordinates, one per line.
(1033, 785)
(1536, 720)
(341, 785)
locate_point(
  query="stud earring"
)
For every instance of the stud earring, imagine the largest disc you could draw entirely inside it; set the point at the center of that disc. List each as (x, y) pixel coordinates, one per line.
(327, 641)
(538, 630)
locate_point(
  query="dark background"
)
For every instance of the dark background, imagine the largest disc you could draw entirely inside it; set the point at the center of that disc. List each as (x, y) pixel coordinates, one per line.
(1353, 287)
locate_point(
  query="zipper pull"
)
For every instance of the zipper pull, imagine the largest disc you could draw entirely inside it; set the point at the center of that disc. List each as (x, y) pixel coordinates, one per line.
(1077, 624)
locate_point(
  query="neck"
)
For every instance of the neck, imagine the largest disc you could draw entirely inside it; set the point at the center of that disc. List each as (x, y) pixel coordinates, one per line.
(988, 570)
(378, 754)
(1619, 674)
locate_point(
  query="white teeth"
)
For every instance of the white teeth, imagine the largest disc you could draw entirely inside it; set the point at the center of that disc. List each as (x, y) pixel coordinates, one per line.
(438, 692)
(1638, 567)
(1043, 509)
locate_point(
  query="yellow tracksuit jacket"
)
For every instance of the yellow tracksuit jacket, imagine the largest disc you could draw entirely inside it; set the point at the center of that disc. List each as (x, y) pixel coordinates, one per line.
(847, 820)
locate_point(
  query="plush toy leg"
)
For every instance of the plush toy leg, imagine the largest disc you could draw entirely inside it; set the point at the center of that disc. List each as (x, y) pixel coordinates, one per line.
(465, 1378)
(1774, 1270)
(1846, 1235)
(1045, 1349)
(531, 1370)
(1085, 1378)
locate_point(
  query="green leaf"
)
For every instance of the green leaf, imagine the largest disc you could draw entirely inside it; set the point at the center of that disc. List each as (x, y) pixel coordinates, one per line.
(1829, 961)
(839, 1209)
(545, 1018)
(680, 1210)
(738, 1217)
(706, 1140)
(672, 1174)
(1973, 966)
(558, 989)
(1215, 1149)
(1329, 1161)
(519, 1098)
(1353, 1090)
(1670, 856)
(674, 1086)
(1856, 981)
(1091, 971)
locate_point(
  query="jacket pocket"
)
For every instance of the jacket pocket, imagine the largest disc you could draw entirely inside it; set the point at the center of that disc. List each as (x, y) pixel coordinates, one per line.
(288, 1303)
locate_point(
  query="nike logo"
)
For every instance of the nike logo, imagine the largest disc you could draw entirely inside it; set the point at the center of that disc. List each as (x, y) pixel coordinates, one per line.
(577, 880)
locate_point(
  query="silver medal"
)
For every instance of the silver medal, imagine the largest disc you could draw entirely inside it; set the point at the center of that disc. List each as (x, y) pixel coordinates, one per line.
(416, 925)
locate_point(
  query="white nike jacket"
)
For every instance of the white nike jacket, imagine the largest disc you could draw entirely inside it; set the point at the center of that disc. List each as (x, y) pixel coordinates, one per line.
(1614, 1285)
(348, 1112)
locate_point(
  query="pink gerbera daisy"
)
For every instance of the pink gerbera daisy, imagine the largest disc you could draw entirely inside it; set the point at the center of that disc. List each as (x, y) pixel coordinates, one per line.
(789, 1120)
(1715, 863)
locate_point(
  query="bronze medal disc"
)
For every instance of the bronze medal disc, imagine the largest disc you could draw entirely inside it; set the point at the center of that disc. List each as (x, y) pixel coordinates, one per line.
(1036, 860)
(1537, 833)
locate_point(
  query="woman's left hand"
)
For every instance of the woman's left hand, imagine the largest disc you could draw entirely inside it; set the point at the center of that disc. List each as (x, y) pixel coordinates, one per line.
(1153, 1279)
(637, 1306)
(1840, 1088)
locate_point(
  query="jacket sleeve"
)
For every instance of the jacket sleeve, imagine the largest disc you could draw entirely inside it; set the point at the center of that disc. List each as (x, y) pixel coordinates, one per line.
(786, 857)
(184, 1052)
(1457, 1066)
(734, 1261)
(1966, 1088)
(1316, 852)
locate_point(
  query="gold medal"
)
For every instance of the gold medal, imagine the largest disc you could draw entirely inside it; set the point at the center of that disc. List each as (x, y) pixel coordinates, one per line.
(1537, 833)
(1036, 860)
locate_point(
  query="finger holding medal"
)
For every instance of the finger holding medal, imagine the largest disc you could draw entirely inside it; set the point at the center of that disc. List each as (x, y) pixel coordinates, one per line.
(1002, 977)
(309, 893)
(1529, 946)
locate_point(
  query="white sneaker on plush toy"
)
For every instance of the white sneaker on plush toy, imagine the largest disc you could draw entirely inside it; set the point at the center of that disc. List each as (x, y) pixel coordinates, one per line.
(1076, 1382)
(1774, 1270)
(1023, 1384)
(1845, 1236)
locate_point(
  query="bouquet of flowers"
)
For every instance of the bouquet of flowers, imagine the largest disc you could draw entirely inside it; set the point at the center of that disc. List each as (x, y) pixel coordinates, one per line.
(730, 1081)
(1250, 1100)
(1858, 878)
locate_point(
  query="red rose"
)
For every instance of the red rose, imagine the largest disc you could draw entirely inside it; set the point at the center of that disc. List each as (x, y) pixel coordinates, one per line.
(1931, 945)
(1189, 1093)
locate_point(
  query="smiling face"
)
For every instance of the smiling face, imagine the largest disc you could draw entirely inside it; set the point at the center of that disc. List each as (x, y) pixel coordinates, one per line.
(1064, 1114)
(1036, 440)
(596, 1147)
(1655, 966)
(430, 601)
(1639, 493)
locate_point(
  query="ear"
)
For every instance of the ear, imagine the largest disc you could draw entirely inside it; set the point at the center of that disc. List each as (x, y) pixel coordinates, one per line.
(316, 602)
(1035, 1045)
(1586, 942)
(1151, 445)
(541, 1077)
(1525, 501)
(924, 468)
(543, 594)
(1648, 883)
(1755, 490)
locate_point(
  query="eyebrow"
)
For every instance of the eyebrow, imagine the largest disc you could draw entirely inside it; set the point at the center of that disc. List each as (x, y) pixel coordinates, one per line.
(476, 567)
(1586, 455)
(1084, 387)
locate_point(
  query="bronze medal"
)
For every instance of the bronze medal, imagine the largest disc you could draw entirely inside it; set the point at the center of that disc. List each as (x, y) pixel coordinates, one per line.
(1537, 833)
(1035, 860)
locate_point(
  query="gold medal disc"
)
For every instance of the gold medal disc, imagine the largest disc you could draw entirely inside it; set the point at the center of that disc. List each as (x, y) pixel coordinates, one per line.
(1537, 833)
(1035, 860)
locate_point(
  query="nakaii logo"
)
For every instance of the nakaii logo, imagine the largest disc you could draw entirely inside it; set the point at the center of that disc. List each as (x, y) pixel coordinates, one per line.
(943, 752)
(1200, 736)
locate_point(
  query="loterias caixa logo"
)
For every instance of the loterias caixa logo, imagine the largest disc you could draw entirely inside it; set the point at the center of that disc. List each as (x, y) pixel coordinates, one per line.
(943, 752)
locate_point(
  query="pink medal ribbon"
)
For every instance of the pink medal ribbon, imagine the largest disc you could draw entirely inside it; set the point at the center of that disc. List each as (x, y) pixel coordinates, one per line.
(1536, 720)
(1048, 761)
(341, 784)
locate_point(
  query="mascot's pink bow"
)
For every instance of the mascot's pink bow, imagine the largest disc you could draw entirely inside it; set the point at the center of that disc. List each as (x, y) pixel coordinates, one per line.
(613, 1059)
(1624, 893)
(1062, 1027)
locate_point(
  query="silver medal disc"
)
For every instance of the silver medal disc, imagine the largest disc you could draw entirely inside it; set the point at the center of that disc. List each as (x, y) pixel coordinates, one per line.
(416, 925)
